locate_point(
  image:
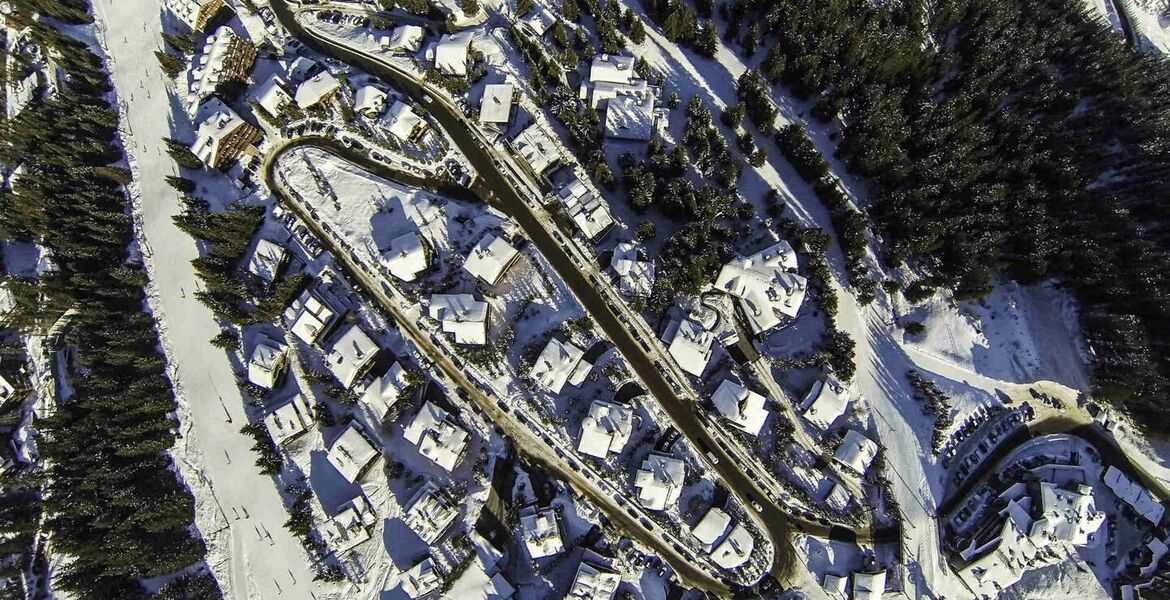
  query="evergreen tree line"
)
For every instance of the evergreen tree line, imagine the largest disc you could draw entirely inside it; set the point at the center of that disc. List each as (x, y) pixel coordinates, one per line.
(111, 499)
(1003, 137)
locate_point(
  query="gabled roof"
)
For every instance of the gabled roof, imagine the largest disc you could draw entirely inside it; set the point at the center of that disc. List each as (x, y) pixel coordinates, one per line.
(490, 258)
(496, 104)
(630, 118)
(606, 428)
(352, 453)
(451, 53)
(405, 257)
(309, 316)
(382, 392)
(272, 95)
(312, 91)
(538, 20)
(765, 286)
(403, 121)
(690, 345)
(351, 355)
(659, 481)
(823, 405)
(436, 437)
(369, 101)
(536, 147)
(869, 586)
(541, 533)
(735, 549)
(743, 407)
(421, 580)
(635, 276)
(712, 526)
(289, 420)
(404, 38)
(560, 363)
(1134, 495)
(216, 121)
(856, 451)
(462, 316)
(429, 514)
(612, 68)
(266, 260)
(589, 212)
(594, 584)
(266, 361)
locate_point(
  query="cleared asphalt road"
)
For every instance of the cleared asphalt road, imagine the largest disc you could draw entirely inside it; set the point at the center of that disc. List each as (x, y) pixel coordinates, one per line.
(523, 438)
(682, 410)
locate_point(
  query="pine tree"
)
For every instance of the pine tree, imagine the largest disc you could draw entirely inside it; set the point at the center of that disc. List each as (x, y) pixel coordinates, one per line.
(171, 65)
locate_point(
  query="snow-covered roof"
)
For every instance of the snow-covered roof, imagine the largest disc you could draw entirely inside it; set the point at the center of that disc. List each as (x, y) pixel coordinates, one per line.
(351, 355)
(490, 258)
(421, 580)
(856, 451)
(1066, 515)
(496, 104)
(823, 405)
(266, 260)
(319, 88)
(309, 317)
(403, 122)
(594, 584)
(266, 362)
(352, 453)
(659, 481)
(536, 147)
(735, 549)
(690, 345)
(1134, 495)
(635, 276)
(289, 420)
(538, 20)
(542, 533)
(272, 95)
(194, 13)
(606, 428)
(604, 91)
(461, 316)
(869, 586)
(768, 291)
(712, 526)
(436, 436)
(369, 101)
(743, 407)
(630, 118)
(451, 53)
(834, 584)
(302, 67)
(381, 392)
(350, 526)
(560, 363)
(218, 126)
(225, 57)
(612, 68)
(429, 514)
(7, 300)
(588, 211)
(404, 38)
(405, 257)
(475, 583)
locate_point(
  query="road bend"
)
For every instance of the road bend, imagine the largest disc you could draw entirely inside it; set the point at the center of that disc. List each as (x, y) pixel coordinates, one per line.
(515, 194)
(607, 497)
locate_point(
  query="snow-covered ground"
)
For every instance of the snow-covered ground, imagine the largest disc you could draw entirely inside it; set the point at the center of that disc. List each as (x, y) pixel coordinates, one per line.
(214, 459)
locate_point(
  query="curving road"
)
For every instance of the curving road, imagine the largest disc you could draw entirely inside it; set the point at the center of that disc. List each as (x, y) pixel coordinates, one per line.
(539, 446)
(515, 194)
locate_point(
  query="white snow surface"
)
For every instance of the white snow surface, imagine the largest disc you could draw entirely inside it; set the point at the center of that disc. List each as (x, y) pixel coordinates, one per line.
(214, 458)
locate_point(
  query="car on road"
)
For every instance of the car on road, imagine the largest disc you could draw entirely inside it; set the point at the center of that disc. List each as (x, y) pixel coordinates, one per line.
(503, 407)
(646, 523)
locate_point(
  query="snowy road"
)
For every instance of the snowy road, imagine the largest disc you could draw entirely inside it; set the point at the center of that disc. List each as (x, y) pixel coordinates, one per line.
(216, 459)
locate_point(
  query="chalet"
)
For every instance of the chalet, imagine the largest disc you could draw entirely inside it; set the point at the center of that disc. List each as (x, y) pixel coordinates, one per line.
(490, 259)
(222, 136)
